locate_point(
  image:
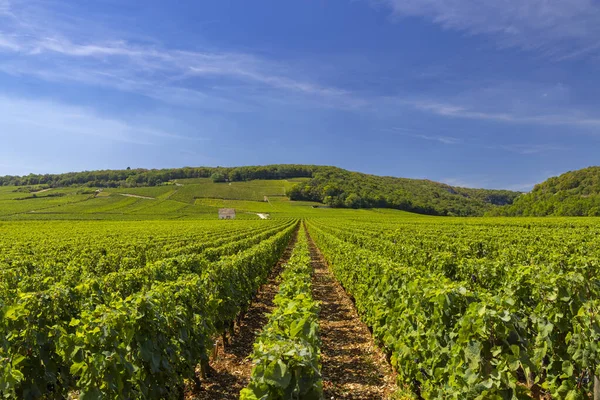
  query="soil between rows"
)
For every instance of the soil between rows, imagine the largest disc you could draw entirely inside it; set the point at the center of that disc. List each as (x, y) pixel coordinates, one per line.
(232, 367)
(353, 367)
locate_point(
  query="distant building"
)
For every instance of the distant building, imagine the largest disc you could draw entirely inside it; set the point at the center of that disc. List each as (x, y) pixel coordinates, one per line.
(226, 213)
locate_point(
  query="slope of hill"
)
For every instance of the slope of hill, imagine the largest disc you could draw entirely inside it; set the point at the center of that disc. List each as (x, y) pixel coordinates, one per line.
(197, 198)
(335, 187)
(574, 193)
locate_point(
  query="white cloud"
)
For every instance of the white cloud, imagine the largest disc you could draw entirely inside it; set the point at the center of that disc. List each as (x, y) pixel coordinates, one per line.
(9, 44)
(460, 111)
(23, 117)
(441, 139)
(519, 148)
(512, 102)
(529, 149)
(418, 135)
(5, 8)
(559, 28)
(143, 69)
(39, 44)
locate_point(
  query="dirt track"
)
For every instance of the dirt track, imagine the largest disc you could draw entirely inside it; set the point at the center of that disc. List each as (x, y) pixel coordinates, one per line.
(353, 367)
(232, 367)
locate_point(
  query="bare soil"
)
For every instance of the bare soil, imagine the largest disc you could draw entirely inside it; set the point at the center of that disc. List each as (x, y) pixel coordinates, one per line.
(353, 367)
(231, 367)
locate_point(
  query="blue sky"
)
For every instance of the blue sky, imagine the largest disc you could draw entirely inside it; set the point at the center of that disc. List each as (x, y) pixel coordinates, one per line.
(496, 94)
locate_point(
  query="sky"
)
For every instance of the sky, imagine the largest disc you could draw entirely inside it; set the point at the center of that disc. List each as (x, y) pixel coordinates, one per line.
(476, 93)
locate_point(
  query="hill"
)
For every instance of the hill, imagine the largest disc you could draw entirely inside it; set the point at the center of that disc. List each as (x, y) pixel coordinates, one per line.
(331, 186)
(197, 198)
(574, 193)
(337, 187)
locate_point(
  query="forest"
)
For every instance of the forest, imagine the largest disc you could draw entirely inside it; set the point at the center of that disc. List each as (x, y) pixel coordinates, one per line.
(574, 193)
(336, 187)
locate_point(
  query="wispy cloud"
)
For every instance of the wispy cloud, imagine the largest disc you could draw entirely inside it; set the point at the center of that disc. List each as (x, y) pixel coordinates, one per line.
(559, 28)
(40, 44)
(53, 119)
(441, 139)
(431, 137)
(468, 112)
(44, 50)
(518, 148)
(5, 8)
(529, 149)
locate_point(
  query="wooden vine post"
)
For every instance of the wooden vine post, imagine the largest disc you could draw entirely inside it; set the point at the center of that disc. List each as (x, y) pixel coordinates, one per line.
(596, 388)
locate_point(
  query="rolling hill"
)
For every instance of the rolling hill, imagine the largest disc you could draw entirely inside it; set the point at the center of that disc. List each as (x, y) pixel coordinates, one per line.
(337, 187)
(574, 193)
(182, 187)
(331, 186)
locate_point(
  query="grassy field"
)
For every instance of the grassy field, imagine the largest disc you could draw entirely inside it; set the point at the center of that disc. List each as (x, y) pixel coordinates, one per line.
(182, 199)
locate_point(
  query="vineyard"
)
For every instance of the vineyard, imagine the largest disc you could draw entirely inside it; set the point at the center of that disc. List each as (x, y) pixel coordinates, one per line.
(124, 310)
(482, 308)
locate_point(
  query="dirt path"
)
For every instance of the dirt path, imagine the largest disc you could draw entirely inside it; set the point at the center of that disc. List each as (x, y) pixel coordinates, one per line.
(232, 367)
(136, 196)
(353, 367)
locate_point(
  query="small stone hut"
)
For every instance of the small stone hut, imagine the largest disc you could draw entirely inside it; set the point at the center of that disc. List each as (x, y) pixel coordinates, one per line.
(226, 213)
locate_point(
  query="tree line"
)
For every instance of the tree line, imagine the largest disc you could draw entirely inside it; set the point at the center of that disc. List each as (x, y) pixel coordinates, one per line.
(574, 193)
(153, 177)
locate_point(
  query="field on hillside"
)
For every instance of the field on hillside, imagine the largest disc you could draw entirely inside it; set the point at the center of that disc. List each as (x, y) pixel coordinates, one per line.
(135, 301)
(184, 199)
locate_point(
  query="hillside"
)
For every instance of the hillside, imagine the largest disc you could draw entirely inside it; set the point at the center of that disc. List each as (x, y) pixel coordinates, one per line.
(331, 186)
(574, 193)
(341, 188)
(198, 198)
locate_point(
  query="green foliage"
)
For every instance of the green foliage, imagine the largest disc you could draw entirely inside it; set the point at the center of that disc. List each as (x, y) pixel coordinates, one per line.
(575, 193)
(340, 188)
(465, 308)
(486, 309)
(135, 307)
(144, 177)
(286, 353)
(218, 177)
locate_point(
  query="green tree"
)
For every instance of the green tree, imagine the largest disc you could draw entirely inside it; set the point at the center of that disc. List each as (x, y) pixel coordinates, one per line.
(218, 177)
(353, 201)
